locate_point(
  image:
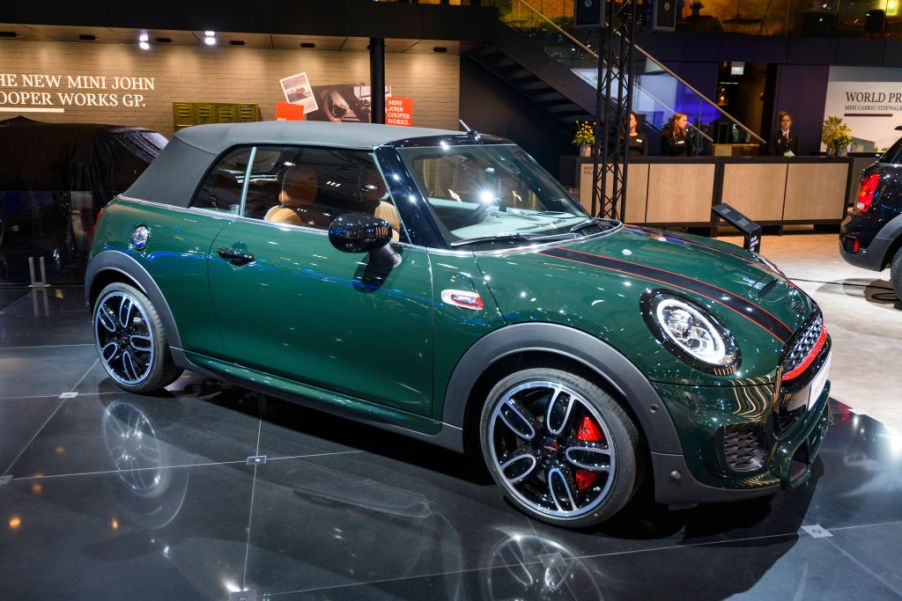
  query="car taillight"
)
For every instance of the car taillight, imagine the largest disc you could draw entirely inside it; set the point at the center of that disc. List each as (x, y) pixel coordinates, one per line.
(96, 220)
(866, 193)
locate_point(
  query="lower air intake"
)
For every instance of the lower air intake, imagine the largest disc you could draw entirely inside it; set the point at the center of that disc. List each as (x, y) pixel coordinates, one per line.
(742, 449)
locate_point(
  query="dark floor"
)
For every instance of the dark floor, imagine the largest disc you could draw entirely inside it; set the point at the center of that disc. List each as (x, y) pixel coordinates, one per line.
(108, 495)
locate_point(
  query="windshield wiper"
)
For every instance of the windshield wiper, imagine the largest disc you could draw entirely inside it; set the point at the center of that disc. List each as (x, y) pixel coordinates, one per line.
(588, 223)
(509, 236)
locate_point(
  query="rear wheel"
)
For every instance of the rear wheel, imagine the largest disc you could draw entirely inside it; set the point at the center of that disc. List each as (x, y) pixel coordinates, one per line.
(130, 340)
(896, 273)
(561, 448)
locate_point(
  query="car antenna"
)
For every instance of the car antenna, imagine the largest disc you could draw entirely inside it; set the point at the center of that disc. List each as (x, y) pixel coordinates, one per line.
(471, 133)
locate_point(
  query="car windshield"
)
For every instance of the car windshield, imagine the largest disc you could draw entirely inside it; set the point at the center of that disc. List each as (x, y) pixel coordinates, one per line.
(894, 154)
(491, 194)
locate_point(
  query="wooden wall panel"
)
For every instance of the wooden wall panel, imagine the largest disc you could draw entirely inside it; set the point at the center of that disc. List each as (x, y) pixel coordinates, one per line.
(756, 190)
(215, 74)
(816, 191)
(636, 191)
(679, 192)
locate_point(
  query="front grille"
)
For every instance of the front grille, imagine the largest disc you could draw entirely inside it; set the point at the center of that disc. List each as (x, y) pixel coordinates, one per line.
(802, 343)
(742, 449)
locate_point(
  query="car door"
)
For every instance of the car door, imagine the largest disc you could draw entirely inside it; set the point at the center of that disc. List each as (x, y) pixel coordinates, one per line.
(290, 304)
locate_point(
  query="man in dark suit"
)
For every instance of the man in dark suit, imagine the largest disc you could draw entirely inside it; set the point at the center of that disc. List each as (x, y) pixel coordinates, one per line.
(785, 141)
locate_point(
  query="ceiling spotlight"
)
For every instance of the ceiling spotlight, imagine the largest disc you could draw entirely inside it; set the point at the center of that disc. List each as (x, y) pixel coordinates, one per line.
(143, 45)
(210, 38)
(143, 37)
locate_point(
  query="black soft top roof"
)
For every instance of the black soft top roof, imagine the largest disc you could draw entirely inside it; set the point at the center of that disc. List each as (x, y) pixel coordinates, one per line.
(174, 176)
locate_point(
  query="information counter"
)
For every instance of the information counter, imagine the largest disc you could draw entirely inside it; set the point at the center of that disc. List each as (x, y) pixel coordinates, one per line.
(666, 191)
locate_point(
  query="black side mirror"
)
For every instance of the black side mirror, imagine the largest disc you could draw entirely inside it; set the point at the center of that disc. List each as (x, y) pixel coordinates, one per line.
(362, 232)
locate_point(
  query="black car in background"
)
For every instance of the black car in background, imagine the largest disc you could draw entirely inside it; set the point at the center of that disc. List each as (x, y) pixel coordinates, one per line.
(871, 237)
(55, 178)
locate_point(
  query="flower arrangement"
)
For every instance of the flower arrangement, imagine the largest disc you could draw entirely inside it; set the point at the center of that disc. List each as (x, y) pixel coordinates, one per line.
(585, 133)
(836, 133)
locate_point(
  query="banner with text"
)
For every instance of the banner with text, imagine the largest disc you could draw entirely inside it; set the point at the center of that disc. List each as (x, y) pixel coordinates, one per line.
(399, 111)
(53, 93)
(869, 99)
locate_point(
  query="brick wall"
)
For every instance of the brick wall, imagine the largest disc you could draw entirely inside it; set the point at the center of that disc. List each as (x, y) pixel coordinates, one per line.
(206, 74)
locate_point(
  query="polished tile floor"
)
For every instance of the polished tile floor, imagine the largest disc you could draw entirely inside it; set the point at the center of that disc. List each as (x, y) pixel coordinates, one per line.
(213, 492)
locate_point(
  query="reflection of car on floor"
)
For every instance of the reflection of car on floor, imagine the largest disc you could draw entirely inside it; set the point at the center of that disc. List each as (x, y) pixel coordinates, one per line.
(443, 285)
(871, 237)
(54, 177)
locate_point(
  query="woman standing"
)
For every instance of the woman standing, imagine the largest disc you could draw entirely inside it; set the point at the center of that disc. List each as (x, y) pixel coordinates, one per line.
(675, 139)
(637, 142)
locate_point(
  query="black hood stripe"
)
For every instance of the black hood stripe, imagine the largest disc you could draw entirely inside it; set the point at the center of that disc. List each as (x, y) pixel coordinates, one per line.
(742, 306)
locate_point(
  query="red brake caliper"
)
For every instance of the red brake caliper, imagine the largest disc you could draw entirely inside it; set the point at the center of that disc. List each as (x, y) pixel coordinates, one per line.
(588, 432)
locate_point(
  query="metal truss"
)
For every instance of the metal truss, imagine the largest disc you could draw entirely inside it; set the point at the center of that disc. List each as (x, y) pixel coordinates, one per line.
(613, 102)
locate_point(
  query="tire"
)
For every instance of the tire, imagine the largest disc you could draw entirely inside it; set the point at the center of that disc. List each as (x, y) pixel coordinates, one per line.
(896, 274)
(130, 340)
(536, 461)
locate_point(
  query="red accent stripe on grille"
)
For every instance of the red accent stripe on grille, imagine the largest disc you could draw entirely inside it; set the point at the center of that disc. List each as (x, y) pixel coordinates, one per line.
(798, 370)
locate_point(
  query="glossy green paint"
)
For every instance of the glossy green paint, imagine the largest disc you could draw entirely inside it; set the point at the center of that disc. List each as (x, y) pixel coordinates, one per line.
(529, 286)
(175, 256)
(304, 310)
(456, 328)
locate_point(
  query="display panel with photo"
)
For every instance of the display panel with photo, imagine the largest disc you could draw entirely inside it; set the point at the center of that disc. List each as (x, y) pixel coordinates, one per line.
(297, 90)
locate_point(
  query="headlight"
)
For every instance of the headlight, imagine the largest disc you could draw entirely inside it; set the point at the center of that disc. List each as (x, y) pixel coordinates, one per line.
(690, 332)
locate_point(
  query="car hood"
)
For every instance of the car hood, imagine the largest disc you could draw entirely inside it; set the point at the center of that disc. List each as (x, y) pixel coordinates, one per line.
(596, 285)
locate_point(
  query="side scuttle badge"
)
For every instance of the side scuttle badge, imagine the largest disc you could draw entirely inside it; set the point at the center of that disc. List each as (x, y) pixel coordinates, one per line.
(462, 299)
(139, 238)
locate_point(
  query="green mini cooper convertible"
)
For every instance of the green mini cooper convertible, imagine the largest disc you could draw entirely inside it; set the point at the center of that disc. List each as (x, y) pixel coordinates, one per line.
(443, 285)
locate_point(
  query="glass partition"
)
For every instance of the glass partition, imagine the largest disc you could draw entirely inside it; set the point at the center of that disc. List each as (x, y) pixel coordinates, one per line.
(658, 93)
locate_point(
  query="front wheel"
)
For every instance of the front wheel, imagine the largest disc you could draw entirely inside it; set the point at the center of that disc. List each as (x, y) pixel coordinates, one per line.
(896, 274)
(130, 340)
(561, 448)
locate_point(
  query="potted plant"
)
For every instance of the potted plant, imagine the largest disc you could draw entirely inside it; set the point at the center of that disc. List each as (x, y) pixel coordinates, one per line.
(585, 137)
(836, 136)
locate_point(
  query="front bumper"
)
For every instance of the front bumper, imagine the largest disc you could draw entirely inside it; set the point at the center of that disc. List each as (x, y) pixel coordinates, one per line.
(702, 473)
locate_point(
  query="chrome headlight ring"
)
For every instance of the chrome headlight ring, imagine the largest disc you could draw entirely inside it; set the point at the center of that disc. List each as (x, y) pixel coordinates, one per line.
(690, 332)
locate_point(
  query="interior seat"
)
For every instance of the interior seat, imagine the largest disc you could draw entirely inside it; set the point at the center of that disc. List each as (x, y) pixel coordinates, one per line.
(373, 191)
(296, 200)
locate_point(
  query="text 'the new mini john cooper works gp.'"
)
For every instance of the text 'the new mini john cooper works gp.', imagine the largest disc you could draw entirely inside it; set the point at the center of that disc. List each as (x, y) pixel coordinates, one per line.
(443, 285)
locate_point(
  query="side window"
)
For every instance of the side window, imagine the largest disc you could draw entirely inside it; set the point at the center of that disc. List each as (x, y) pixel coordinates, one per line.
(221, 188)
(312, 186)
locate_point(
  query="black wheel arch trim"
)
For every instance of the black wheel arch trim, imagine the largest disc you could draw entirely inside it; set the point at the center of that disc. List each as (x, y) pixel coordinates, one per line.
(619, 372)
(112, 260)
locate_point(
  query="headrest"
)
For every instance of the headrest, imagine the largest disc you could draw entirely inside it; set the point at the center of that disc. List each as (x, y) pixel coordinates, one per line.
(298, 187)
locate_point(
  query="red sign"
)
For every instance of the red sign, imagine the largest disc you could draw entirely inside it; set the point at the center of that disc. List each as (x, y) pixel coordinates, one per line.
(399, 111)
(285, 111)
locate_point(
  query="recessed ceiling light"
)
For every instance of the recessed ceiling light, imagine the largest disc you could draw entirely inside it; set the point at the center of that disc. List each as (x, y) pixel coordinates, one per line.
(143, 45)
(210, 38)
(308, 45)
(163, 40)
(440, 49)
(210, 34)
(87, 37)
(7, 34)
(143, 37)
(236, 42)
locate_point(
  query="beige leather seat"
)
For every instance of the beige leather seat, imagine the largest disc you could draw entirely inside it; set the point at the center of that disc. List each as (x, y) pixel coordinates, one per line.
(296, 200)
